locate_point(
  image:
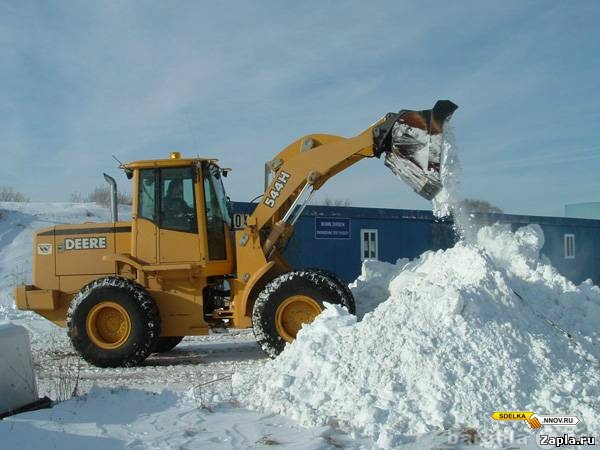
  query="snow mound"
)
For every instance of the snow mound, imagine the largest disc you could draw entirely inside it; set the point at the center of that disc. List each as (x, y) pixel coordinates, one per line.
(462, 333)
(372, 286)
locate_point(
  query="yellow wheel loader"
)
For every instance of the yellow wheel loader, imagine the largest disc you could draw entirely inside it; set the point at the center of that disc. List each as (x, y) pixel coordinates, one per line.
(125, 290)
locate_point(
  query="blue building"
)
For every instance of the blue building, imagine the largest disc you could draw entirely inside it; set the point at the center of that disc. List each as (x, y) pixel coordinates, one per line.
(340, 238)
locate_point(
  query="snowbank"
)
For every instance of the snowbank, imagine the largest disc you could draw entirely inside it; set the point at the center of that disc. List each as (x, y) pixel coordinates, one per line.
(462, 333)
(372, 286)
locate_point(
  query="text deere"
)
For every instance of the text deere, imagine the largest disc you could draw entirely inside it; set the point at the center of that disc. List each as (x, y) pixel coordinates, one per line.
(85, 243)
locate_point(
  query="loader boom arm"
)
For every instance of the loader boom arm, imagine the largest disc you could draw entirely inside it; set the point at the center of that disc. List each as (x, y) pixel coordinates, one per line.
(412, 142)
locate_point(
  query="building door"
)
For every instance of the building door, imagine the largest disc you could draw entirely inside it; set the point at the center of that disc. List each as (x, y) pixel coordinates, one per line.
(369, 245)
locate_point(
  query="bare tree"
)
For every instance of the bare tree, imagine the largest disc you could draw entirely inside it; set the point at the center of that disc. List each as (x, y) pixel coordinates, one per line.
(329, 201)
(76, 197)
(101, 196)
(8, 194)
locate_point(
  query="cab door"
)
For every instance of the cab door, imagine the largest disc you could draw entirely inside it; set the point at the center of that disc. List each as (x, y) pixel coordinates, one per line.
(178, 240)
(217, 218)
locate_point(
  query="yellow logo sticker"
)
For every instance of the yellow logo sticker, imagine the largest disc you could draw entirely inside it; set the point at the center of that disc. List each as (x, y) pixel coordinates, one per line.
(536, 421)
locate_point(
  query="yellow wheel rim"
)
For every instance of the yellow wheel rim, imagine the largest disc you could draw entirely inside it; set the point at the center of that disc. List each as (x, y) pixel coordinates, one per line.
(108, 325)
(292, 313)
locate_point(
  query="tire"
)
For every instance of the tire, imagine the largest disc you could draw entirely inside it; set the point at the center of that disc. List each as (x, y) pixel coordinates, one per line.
(167, 343)
(113, 322)
(349, 298)
(289, 301)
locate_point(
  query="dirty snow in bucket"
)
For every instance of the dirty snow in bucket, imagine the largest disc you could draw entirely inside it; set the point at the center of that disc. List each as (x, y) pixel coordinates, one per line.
(451, 337)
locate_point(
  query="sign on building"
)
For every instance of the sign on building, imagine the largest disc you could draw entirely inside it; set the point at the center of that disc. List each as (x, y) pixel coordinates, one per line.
(332, 228)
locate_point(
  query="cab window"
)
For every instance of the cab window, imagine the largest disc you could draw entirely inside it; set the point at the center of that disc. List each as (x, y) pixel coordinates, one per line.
(147, 195)
(217, 214)
(177, 205)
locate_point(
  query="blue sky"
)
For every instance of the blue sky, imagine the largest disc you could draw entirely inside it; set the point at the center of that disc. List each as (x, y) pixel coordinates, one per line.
(81, 81)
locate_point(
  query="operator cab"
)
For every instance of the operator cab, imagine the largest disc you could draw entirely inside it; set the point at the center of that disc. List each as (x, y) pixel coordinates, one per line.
(181, 213)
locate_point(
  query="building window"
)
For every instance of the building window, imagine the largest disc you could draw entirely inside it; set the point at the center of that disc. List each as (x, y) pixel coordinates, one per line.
(369, 248)
(569, 246)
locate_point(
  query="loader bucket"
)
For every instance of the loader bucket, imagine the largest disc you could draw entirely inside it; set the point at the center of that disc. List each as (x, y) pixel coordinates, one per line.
(413, 143)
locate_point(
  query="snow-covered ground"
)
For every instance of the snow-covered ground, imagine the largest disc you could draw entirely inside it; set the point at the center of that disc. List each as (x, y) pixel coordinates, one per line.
(441, 343)
(130, 418)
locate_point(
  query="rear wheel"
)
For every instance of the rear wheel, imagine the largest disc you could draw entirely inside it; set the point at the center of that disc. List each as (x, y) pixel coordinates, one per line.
(290, 301)
(167, 343)
(113, 322)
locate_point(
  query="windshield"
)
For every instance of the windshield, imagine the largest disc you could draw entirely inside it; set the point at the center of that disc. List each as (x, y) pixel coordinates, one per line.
(218, 205)
(217, 212)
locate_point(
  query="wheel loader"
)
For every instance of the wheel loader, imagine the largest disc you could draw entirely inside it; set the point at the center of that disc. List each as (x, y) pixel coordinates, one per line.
(124, 290)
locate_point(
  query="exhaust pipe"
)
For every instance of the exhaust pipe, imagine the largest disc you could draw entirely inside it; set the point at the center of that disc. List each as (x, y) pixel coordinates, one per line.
(413, 143)
(114, 210)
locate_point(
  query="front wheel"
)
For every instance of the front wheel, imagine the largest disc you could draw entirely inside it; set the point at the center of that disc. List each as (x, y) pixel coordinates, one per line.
(290, 301)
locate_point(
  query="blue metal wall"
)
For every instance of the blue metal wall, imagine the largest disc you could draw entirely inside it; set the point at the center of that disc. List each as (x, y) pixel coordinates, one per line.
(408, 233)
(400, 234)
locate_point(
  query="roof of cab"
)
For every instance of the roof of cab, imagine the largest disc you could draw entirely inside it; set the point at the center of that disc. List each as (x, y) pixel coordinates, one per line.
(174, 161)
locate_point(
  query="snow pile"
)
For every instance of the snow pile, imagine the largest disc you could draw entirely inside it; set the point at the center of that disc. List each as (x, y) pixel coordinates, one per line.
(464, 332)
(372, 286)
